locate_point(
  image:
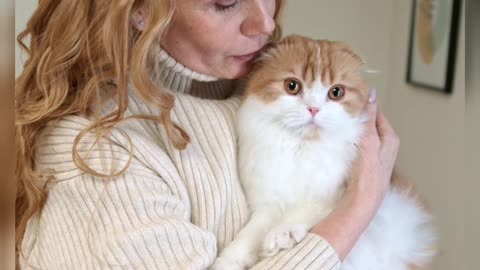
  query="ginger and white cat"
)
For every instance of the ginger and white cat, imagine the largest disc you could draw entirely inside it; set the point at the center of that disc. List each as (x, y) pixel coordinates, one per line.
(302, 114)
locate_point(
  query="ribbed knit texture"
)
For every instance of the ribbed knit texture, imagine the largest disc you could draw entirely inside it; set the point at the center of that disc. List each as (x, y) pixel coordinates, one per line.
(172, 209)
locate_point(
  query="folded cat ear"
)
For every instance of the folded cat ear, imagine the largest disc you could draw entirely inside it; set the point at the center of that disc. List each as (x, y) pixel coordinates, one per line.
(270, 46)
(346, 49)
(293, 38)
(267, 51)
(274, 45)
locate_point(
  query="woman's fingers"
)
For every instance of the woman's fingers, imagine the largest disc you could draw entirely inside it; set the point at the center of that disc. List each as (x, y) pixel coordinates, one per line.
(386, 133)
(372, 110)
(378, 126)
(370, 139)
(384, 127)
(380, 142)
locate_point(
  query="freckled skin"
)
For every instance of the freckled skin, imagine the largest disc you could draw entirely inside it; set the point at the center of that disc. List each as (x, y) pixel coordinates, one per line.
(207, 40)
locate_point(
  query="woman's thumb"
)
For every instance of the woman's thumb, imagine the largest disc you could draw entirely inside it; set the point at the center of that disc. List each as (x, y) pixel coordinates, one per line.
(371, 109)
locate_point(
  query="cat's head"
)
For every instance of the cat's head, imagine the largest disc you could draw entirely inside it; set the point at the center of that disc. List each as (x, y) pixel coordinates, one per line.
(309, 86)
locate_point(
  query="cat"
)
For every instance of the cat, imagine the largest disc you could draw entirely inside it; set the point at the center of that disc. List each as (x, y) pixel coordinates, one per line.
(301, 117)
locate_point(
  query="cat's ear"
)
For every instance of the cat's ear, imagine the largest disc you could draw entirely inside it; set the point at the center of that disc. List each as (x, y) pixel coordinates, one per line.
(345, 48)
(268, 52)
(364, 65)
(270, 46)
(287, 43)
(366, 68)
(341, 46)
(291, 39)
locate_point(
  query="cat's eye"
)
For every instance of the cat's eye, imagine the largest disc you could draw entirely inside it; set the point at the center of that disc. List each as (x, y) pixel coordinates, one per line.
(292, 86)
(336, 92)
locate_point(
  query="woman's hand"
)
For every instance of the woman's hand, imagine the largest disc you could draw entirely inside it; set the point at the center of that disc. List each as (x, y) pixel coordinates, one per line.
(371, 173)
(370, 181)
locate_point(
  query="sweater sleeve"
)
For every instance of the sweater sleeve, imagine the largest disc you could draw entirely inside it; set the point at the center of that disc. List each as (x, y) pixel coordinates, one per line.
(131, 222)
(313, 252)
(135, 222)
(138, 220)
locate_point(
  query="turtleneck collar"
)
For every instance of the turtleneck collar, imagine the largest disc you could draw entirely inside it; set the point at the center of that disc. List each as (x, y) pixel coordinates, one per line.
(178, 78)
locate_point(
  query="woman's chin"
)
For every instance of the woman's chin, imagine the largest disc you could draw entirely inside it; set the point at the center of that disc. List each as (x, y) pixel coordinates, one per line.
(238, 72)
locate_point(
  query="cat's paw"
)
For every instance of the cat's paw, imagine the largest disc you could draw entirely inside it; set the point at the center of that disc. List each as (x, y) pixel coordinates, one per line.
(222, 263)
(234, 257)
(283, 237)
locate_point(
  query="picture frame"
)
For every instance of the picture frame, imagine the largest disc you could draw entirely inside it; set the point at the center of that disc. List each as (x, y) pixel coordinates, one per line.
(433, 44)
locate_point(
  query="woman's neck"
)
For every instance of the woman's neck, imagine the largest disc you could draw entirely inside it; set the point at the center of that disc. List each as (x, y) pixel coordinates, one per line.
(176, 77)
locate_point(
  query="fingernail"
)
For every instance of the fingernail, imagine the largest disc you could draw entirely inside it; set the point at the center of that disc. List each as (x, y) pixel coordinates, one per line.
(373, 96)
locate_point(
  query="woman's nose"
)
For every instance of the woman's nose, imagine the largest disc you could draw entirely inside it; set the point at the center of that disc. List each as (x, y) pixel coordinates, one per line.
(259, 19)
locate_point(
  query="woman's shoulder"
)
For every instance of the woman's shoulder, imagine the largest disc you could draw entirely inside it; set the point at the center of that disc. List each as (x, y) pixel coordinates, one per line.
(71, 141)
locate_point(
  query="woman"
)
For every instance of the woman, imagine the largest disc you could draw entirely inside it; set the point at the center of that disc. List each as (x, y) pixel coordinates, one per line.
(126, 138)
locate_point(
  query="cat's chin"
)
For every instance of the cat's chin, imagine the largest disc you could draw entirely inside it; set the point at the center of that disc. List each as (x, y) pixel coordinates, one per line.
(312, 132)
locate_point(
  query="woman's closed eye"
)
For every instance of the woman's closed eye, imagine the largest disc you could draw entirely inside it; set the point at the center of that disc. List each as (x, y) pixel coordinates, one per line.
(226, 5)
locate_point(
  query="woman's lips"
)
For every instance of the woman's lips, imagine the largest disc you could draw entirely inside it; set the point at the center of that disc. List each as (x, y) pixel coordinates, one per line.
(248, 57)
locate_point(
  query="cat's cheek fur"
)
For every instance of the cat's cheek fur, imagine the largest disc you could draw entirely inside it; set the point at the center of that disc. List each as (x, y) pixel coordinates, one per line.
(279, 154)
(333, 119)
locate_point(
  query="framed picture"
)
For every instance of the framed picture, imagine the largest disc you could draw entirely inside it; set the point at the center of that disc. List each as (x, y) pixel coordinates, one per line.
(433, 43)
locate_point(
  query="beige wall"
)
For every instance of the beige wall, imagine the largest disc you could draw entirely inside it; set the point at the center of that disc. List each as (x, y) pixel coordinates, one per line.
(431, 128)
(472, 186)
(430, 124)
(23, 11)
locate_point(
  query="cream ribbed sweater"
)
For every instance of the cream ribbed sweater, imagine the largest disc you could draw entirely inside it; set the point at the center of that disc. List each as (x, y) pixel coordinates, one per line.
(172, 209)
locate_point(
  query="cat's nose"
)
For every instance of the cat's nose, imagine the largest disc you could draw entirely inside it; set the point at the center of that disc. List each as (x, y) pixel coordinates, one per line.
(313, 110)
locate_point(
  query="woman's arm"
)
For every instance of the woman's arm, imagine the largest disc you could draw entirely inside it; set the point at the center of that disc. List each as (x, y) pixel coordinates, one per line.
(371, 179)
(138, 220)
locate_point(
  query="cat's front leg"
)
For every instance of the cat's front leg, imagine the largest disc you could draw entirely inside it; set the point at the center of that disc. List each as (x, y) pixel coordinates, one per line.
(283, 236)
(243, 252)
(292, 229)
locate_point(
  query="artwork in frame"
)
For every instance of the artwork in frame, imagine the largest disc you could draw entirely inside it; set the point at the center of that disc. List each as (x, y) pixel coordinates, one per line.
(433, 43)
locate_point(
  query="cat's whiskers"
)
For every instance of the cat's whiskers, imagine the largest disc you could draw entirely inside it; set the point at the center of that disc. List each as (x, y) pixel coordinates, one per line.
(296, 123)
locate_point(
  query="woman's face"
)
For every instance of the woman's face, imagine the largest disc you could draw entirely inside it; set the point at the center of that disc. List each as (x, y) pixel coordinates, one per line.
(220, 37)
